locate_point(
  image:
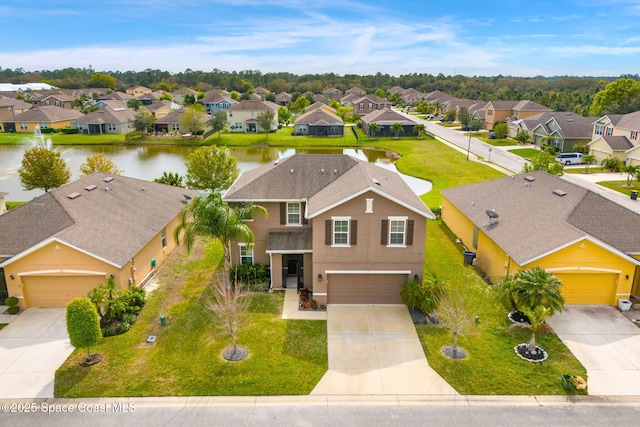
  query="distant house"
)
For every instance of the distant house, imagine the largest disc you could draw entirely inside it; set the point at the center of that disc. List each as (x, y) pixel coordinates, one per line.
(396, 90)
(321, 98)
(61, 245)
(350, 231)
(355, 91)
(333, 93)
(319, 122)
(369, 103)
(216, 101)
(110, 103)
(347, 100)
(563, 130)
(242, 117)
(169, 123)
(260, 91)
(412, 96)
(138, 91)
(120, 96)
(510, 111)
(589, 242)
(283, 98)
(162, 108)
(9, 107)
(151, 97)
(106, 121)
(178, 96)
(386, 118)
(42, 117)
(56, 100)
(617, 135)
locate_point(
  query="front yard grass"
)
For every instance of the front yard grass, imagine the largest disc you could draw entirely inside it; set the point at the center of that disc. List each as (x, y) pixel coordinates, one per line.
(621, 186)
(526, 153)
(286, 357)
(491, 366)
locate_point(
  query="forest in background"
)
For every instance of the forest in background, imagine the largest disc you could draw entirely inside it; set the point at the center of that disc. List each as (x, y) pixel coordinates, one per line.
(560, 93)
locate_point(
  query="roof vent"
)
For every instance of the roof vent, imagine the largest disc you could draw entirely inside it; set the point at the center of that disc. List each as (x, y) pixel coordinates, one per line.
(73, 196)
(108, 179)
(90, 187)
(375, 181)
(529, 178)
(559, 193)
(335, 171)
(291, 171)
(322, 171)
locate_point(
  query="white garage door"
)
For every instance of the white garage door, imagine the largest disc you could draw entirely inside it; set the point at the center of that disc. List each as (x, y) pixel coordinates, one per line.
(365, 288)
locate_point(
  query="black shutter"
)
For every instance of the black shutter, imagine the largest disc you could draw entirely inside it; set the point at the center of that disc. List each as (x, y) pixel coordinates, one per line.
(354, 232)
(384, 235)
(410, 232)
(283, 213)
(327, 231)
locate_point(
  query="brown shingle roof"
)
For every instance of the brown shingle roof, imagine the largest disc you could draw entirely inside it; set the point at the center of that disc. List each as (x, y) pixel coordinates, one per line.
(107, 115)
(46, 114)
(313, 117)
(254, 105)
(534, 221)
(629, 121)
(300, 239)
(617, 143)
(387, 117)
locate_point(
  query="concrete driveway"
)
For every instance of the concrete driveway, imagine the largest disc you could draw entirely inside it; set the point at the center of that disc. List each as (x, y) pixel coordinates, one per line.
(32, 347)
(606, 343)
(376, 350)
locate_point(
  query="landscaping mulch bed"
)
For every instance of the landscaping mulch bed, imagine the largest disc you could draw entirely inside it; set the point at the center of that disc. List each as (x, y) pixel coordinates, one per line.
(522, 350)
(241, 353)
(518, 317)
(451, 353)
(419, 318)
(91, 360)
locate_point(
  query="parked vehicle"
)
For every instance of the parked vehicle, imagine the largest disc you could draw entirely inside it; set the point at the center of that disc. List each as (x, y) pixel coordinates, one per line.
(569, 158)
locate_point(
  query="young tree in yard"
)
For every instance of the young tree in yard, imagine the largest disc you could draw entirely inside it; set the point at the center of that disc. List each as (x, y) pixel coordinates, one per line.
(588, 160)
(210, 216)
(83, 325)
(632, 172)
(211, 168)
(612, 164)
(193, 119)
(170, 178)
(374, 128)
(463, 116)
(397, 129)
(454, 314)
(143, 121)
(545, 162)
(500, 130)
(218, 121)
(283, 115)
(450, 115)
(43, 168)
(300, 104)
(265, 120)
(420, 130)
(228, 307)
(106, 298)
(522, 137)
(99, 163)
(134, 104)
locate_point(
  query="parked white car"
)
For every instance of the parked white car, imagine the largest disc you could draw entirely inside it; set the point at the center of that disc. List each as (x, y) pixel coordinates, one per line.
(569, 158)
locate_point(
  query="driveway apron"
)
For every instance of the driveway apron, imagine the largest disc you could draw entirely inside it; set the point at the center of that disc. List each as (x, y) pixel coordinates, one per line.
(376, 350)
(32, 348)
(606, 343)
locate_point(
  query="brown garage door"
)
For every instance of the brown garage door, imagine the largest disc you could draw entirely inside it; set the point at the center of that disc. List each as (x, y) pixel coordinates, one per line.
(365, 288)
(57, 291)
(588, 288)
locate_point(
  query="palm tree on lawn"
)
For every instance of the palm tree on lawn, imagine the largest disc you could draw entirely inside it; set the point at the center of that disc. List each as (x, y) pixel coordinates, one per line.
(420, 130)
(373, 129)
(397, 129)
(210, 216)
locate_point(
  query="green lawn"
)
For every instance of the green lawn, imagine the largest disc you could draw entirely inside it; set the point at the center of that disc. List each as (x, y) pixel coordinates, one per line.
(491, 367)
(505, 142)
(592, 169)
(2, 325)
(286, 357)
(526, 153)
(621, 186)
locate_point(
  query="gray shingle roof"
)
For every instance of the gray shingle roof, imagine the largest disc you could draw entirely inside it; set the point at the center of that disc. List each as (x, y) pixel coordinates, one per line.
(280, 239)
(387, 117)
(315, 117)
(254, 105)
(617, 143)
(46, 114)
(107, 115)
(113, 225)
(324, 180)
(629, 121)
(534, 221)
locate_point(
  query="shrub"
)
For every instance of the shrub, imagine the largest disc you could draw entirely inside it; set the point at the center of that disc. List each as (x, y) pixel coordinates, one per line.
(11, 301)
(83, 324)
(500, 130)
(134, 300)
(612, 164)
(253, 277)
(69, 131)
(14, 309)
(423, 296)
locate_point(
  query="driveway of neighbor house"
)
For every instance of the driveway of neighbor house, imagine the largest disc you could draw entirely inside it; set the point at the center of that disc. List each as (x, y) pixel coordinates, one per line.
(606, 343)
(376, 350)
(32, 347)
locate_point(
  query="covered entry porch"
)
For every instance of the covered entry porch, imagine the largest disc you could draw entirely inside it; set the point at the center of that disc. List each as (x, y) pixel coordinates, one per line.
(290, 258)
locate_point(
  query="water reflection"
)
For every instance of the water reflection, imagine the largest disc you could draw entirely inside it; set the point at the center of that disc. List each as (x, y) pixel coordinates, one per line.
(149, 162)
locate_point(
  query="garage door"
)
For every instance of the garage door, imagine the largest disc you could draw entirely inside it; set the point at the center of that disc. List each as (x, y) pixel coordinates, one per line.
(365, 288)
(57, 291)
(588, 288)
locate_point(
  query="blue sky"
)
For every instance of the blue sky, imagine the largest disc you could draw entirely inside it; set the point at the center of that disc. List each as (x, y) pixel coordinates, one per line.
(520, 38)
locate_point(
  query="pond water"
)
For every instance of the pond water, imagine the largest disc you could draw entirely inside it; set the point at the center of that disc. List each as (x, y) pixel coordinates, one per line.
(149, 162)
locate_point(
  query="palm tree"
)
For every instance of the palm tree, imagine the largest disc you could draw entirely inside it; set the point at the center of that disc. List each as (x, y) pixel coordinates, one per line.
(373, 128)
(420, 130)
(631, 171)
(210, 216)
(397, 129)
(588, 159)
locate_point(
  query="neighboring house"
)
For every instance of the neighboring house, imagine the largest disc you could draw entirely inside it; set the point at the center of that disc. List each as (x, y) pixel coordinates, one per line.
(333, 93)
(565, 128)
(61, 245)
(396, 90)
(386, 118)
(349, 231)
(589, 242)
(120, 96)
(216, 101)
(178, 96)
(152, 97)
(283, 98)
(90, 93)
(242, 117)
(321, 98)
(110, 103)
(438, 96)
(254, 97)
(9, 107)
(106, 120)
(43, 117)
(510, 111)
(319, 122)
(617, 135)
(369, 103)
(356, 91)
(138, 91)
(169, 123)
(56, 100)
(3, 204)
(260, 91)
(347, 100)
(319, 106)
(162, 108)
(411, 96)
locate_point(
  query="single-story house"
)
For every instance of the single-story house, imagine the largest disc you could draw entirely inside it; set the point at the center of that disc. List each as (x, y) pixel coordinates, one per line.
(350, 231)
(386, 118)
(42, 117)
(169, 123)
(589, 242)
(566, 128)
(106, 120)
(283, 98)
(319, 122)
(216, 101)
(61, 245)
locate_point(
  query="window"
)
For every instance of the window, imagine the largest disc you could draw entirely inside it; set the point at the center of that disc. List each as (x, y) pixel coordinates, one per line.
(163, 234)
(47, 103)
(599, 130)
(246, 254)
(111, 126)
(397, 229)
(609, 131)
(176, 126)
(58, 104)
(489, 112)
(23, 126)
(370, 106)
(43, 126)
(634, 134)
(293, 213)
(341, 232)
(368, 206)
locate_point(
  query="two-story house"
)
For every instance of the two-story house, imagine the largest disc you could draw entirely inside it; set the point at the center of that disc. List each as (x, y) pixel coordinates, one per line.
(9, 107)
(369, 103)
(138, 91)
(506, 111)
(216, 101)
(563, 130)
(350, 231)
(56, 99)
(243, 116)
(616, 135)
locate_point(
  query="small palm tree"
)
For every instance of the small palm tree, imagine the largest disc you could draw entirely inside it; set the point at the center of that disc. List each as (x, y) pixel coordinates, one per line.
(420, 130)
(588, 159)
(397, 129)
(373, 128)
(210, 216)
(632, 172)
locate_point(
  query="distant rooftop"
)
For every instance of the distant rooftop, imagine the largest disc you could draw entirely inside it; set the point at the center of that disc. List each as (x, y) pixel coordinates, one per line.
(10, 87)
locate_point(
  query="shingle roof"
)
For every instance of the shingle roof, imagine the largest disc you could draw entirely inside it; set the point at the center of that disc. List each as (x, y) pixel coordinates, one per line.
(17, 104)
(571, 125)
(324, 180)
(107, 115)
(387, 117)
(314, 117)
(173, 117)
(629, 121)
(112, 225)
(280, 239)
(534, 221)
(45, 114)
(617, 143)
(254, 105)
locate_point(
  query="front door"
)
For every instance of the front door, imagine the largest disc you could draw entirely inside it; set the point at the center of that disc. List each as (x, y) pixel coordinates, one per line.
(292, 271)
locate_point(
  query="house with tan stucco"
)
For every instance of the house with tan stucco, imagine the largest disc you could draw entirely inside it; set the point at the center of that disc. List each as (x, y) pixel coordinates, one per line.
(510, 111)
(617, 135)
(243, 116)
(61, 245)
(350, 231)
(41, 117)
